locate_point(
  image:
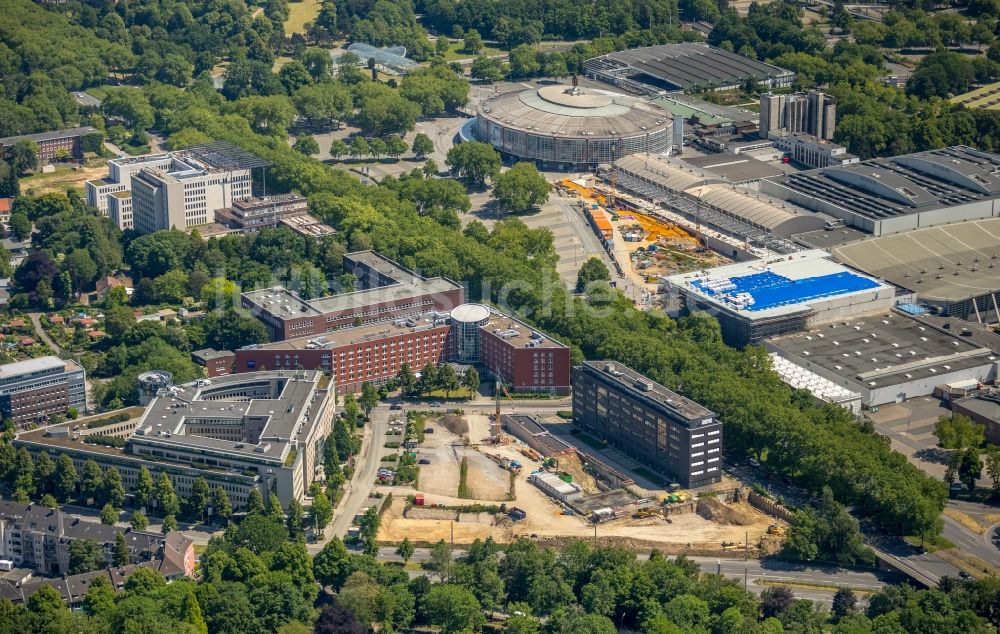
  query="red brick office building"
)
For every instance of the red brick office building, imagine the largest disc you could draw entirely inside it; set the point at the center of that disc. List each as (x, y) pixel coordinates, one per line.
(374, 353)
(51, 143)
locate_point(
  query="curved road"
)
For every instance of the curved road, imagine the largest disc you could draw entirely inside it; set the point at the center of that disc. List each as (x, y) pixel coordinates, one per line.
(36, 322)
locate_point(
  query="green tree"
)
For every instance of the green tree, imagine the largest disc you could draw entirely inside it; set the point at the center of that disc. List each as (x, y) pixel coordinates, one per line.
(474, 160)
(20, 226)
(524, 61)
(406, 379)
(441, 46)
(520, 188)
(143, 487)
(121, 554)
(131, 106)
(473, 42)
(274, 509)
(23, 156)
(45, 470)
(405, 550)
(90, 481)
(112, 490)
(295, 518)
(199, 499)
(422, 146)
(369, 398)
(138, 521)
(85, 555)
(306, 144)
(166, 499)
(440, 559)
(255, 502)
(470, 381)
(488, 69)
(190, 613)
(221, 506)
(593, 270)
(395, 146)
(169, 524)
(109, 514)
(958, 432)
(844, 603)
(294, 75)
(338, 149)
(100, 598)
(359, 147)
(321, 511)
(970, 468)
(448, 380)
(454, 609)
(377, 147)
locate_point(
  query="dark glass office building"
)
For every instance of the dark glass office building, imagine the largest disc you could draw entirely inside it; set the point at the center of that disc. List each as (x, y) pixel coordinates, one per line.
(668, 433)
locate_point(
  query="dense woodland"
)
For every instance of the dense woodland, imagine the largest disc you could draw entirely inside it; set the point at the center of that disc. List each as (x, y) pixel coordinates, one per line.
(255, 579)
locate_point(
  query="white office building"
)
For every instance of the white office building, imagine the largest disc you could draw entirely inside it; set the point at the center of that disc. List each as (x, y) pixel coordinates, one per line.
(180, 189)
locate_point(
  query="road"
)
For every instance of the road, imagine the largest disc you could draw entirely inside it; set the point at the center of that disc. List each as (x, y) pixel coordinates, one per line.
(36, 322)
(972, 543)
(363, 482)
(817, 583)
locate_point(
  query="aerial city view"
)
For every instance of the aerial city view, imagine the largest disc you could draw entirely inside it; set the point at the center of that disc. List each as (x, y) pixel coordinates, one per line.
(462, 316)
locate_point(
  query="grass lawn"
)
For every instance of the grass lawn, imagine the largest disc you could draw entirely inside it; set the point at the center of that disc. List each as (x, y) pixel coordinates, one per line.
(62, 178)
(931, 544)
(456, 52)
(299, 13)
(279, 62)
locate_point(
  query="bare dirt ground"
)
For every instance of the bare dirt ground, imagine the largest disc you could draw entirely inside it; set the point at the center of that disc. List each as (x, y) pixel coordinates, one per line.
(485, 479)
(62, 179)
(441, 475)
(686, 533)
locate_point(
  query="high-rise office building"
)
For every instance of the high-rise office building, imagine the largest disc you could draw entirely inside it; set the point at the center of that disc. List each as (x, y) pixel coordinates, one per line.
(812, 113)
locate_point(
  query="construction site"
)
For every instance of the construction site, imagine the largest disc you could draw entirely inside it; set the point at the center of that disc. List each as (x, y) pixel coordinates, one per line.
(646, 245)
(480, 481)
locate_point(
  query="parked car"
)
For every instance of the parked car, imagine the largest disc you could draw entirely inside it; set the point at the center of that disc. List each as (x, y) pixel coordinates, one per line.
(395, 406)
(428, 430)
(964, 575)
(753, 462)
(424, 461)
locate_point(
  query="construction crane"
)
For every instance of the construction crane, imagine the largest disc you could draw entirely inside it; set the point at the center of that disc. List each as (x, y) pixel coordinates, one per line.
(495, 426)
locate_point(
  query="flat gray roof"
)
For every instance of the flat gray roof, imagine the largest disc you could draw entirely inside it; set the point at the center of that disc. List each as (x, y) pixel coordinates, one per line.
(290, 410)
(890, 187)
(630, 379)
(211, 353)
(689, 64)
(733, 167)
(48, 136)
(883, 350)
(945, 263)
(987, 407)
(286, 304)
(357, 334)
(27, 366)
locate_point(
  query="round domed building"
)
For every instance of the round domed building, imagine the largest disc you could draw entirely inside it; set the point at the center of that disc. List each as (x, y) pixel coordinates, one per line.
(566, 127)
